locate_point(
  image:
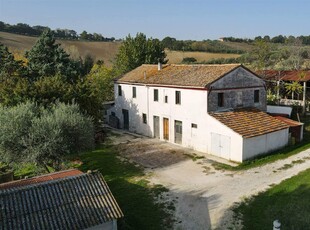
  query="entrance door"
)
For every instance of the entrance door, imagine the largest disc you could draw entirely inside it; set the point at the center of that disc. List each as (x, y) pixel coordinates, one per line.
(220, 145)
(156, 126)
(166, 128)
(178, 132)
(126, 118)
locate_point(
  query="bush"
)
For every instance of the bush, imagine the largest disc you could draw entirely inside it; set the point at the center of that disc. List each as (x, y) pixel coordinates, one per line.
(189, 60)
(30, 133)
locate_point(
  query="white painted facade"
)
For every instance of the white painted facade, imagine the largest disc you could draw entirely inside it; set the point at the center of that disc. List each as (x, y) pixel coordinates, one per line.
(192, 110)
(200, 131)
(265, 143)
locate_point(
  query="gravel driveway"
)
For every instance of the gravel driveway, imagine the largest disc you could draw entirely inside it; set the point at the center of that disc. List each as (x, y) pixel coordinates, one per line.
(203, 194)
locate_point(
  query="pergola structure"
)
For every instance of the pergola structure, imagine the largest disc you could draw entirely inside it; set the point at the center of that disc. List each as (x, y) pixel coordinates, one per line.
(300, 76)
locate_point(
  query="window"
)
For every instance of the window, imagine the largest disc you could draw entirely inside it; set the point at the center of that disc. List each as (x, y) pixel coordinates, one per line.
(134, 92)
(166, 99)
(220, 99)
(144, 118)
(178, 97)
(155, 94)
(194, 126)
(119, 90)
(256, 96)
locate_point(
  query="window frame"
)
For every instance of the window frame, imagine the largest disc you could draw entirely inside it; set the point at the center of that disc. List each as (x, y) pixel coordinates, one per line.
(256, 96)
(156, 93)
(120, 90)
(134, 92)
(220, 99)
(144, 118)
(178, 97)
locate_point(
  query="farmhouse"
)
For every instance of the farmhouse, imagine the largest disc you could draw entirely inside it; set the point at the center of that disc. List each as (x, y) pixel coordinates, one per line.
(63, 200)
(215, 109)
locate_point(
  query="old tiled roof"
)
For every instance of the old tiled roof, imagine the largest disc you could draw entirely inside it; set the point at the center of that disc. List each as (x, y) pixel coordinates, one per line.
(249, 122)
(39, 179)
(74, 202)
(177, 75)
(288, 121)
(285, 75)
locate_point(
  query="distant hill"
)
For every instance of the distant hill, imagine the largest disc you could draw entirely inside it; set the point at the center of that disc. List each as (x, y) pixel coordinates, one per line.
(105, 51)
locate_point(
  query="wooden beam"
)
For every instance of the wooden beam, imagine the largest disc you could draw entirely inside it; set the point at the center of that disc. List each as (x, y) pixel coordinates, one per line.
(304, 98)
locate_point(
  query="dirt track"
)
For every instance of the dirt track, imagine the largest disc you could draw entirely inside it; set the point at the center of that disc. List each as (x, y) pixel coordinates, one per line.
(204, 195)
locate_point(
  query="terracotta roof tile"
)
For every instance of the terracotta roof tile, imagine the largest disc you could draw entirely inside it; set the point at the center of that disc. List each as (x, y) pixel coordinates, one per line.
(177, 75)
(39, 179)
(288, 121)
(285, 75)
(249, 122)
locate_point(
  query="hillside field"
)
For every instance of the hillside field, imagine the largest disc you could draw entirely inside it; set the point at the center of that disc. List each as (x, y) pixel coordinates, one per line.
(177, 56)
(99, 50)
(105, 51)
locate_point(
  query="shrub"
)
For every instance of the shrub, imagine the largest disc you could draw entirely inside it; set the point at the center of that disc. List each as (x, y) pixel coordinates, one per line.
(44, 135)
(189, 60)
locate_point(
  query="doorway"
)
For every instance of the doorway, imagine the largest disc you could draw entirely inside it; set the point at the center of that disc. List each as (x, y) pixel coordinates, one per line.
(126, 118)
(166, 128)
(156, 126)
(178, 132)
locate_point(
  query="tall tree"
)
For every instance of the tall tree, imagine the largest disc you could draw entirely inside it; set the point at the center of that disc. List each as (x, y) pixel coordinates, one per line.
(8, 65)
(137, 51)
(46, 58)
(261, 54)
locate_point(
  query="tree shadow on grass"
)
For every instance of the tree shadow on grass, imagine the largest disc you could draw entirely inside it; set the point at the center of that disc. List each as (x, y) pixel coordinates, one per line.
(144, 206)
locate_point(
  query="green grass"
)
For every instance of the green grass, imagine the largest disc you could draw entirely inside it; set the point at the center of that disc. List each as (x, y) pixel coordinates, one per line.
(194, 156)
(132, 192)
(288, 202)
(263, 160)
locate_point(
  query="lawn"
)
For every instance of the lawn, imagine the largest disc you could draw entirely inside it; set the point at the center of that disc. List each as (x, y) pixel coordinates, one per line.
(288, 202)
(128, 183)
(132, 192)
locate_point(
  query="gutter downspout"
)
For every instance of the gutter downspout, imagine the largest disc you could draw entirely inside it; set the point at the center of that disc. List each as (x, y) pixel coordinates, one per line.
(148, 106)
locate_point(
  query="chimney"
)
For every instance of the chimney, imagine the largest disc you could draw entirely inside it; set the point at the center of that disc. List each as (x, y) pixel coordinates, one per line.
(144, 75)
(160, 66)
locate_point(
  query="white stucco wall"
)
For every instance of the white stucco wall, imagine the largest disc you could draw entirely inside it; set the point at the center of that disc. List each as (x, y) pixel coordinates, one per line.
(265, 143)
(136, 107)
(279, 109)
(193, 109)
(236, 147)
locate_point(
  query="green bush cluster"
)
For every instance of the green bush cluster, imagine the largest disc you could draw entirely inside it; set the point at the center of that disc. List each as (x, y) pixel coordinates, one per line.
(32, 133)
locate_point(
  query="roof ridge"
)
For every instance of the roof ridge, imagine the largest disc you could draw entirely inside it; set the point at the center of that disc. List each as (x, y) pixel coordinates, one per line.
(36, 180)
(50, 182)
(230, 64)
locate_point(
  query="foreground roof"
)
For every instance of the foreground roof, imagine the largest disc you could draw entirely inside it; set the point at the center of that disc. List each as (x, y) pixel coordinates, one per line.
(285, 75)
(40, 179)
(178, 75)
(74, 202)
(249, 122)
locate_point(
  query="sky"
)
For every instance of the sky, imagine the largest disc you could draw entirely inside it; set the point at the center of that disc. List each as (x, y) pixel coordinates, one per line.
(181, 19)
